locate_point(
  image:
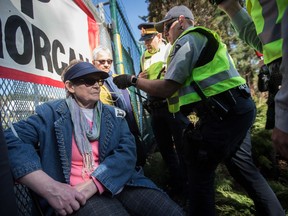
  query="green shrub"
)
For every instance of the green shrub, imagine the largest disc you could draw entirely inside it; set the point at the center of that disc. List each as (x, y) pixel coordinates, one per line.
(230, 197)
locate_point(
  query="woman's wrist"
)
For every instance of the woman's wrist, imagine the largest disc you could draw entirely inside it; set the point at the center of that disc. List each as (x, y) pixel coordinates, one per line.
(88, 188)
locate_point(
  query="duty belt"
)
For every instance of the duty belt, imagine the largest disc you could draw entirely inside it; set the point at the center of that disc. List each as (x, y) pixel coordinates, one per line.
(220, 104)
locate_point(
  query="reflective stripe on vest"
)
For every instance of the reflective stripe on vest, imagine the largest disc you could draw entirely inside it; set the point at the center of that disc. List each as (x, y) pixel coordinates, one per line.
(268, 25)
(214, 77)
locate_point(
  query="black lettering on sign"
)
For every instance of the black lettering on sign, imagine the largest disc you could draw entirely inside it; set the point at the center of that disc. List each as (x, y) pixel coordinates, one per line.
(27, 7)
(13, 24)
(71, 54)
(56, 45)
(41, 50)
(22, 45)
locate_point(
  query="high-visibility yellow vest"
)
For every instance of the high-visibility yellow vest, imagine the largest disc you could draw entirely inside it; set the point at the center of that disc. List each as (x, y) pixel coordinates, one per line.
(153, 63)
(268, 25)
(213, 77)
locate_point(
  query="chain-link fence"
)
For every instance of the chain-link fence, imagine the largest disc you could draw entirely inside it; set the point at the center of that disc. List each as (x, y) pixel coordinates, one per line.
(131, 51)
(18, 100)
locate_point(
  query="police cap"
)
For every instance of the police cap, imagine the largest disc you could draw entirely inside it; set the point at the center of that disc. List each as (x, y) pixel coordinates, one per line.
(148, 31)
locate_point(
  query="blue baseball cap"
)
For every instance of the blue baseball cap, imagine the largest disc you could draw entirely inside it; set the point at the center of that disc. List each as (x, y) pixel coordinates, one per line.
(81, 69)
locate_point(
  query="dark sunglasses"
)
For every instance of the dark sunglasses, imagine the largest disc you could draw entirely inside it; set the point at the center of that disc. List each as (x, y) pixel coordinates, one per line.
(89, 81)
(109, 61)
(168, 25)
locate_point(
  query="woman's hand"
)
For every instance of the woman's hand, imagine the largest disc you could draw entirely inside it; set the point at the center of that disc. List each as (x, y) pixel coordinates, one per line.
(63, 198)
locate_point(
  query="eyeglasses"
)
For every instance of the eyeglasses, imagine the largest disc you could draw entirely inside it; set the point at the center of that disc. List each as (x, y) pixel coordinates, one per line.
(89, 81)
(109, 61)
(168, 25)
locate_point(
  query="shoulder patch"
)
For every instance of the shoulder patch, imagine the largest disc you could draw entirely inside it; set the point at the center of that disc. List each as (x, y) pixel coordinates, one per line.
(174, 51)
(120, 113)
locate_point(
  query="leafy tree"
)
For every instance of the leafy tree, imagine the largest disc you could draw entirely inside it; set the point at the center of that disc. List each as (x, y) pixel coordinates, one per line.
(211, 17)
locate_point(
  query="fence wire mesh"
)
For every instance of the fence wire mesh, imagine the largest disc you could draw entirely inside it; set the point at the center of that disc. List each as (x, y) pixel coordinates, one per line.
(131, 54)
(18, 101)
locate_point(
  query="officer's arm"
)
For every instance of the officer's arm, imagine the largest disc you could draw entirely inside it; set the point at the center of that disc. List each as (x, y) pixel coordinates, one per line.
(159, 88)
(242, 22)
(230, 7)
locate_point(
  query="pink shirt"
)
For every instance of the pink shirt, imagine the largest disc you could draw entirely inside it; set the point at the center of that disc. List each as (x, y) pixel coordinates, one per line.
(77, 164)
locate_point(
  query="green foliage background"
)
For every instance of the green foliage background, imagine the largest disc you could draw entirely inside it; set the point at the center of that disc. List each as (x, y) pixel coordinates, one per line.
(231, 199)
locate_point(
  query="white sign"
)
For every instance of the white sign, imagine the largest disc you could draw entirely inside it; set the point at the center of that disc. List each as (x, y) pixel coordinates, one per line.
(40, 37)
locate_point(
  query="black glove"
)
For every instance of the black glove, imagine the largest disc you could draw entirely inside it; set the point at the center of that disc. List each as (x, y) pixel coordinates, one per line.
(123, 81)
(216, 2)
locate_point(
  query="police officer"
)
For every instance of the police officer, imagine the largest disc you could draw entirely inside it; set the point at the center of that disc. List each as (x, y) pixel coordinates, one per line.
(201, 77)
(262, 31)
(167, 127)
(280, 132)
(267, 24)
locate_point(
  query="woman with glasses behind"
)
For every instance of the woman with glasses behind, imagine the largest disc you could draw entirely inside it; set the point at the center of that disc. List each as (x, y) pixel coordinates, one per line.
(112, 95)
(87, 155)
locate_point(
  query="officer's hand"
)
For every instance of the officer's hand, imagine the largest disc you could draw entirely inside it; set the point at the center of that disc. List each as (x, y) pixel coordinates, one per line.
(123, 81)
(230, 7)
(216, 2)
(280, 142)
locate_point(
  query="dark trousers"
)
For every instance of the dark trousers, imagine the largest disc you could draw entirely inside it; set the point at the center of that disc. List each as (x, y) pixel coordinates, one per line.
(7, 196)
(229, 141)
(242, 168)
(131, 201)
(273, 87)
(168, 129)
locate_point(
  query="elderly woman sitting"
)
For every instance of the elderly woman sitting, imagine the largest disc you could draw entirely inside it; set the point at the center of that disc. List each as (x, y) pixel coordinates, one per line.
(86, 160)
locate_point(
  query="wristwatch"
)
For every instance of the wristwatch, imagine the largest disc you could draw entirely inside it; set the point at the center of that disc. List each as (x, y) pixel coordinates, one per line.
(134, 81)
